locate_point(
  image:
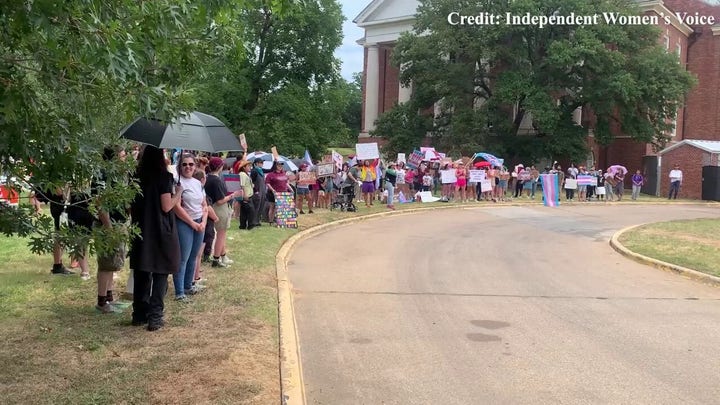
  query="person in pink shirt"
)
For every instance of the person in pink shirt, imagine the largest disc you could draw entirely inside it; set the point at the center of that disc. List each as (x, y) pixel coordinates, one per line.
(277, 182)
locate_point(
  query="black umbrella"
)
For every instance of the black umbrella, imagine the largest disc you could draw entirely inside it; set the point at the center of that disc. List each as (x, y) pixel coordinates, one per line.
(193, 131)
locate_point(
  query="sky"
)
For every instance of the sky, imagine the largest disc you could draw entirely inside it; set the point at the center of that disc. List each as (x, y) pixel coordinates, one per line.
(350, 53)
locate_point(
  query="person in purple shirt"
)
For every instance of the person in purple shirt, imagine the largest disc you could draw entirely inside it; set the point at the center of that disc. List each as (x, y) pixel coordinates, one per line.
(637, 182)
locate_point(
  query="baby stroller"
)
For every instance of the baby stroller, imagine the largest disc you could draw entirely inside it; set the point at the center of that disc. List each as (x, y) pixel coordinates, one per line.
(344, 200)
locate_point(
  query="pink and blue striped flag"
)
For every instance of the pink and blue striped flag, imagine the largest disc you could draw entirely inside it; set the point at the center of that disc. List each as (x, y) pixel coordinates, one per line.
(551, 190)
(586, 180)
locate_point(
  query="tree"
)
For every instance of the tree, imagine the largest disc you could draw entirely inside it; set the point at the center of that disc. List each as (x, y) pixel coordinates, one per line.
(295, 118)
(284, 60)
(352, 117)
(74, 72)
(490, 78)
(404, 127)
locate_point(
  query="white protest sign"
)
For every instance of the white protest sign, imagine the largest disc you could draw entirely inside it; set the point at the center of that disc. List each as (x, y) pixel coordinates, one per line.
(476, 176)
(426, 196)
(447, 176)
(571, 184)
(485, 186)
(367, 151)
(401, 158)
(338, 159)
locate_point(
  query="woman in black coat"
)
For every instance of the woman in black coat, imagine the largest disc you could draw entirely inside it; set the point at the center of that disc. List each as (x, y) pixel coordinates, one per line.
(156, 253)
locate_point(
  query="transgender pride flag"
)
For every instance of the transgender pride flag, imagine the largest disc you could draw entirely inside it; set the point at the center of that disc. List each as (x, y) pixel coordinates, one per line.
(551, 190)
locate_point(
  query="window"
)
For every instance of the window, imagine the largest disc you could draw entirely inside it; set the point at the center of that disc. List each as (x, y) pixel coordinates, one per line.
(667, 42)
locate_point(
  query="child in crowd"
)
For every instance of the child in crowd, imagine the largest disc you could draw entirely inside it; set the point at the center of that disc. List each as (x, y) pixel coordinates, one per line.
(427, 181)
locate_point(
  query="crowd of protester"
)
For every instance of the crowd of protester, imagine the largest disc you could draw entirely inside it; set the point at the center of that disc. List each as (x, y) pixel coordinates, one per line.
(184, 209)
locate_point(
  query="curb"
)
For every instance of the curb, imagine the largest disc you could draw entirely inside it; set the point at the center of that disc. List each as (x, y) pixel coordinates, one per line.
(659, 264)
(292, 387)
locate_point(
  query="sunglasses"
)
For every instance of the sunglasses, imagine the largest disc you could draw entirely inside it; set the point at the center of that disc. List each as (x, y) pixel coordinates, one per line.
(188, 164)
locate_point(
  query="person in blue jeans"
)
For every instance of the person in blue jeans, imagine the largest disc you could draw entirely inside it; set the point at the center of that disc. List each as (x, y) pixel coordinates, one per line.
(192, 213)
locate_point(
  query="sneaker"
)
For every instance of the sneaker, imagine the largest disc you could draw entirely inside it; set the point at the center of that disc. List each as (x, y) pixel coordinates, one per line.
(311, 212)
(119, 304)
(205, 259)
(107, 309)
(218, 263)
(194, 290)
(183, 298)
(302, 212)
(226, 260)
(63, 271)
(85, 276)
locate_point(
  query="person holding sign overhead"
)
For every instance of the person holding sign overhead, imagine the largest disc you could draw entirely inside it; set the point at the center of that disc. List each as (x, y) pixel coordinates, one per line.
(368, 174)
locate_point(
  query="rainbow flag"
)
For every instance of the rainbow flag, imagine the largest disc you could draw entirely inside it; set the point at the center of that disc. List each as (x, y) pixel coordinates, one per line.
(551, 190)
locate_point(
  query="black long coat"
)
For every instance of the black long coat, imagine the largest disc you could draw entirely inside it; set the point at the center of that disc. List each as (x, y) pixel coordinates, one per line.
(157, 250)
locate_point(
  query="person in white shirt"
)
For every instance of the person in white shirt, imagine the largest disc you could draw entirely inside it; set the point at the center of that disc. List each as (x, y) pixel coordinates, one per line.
(675, 182)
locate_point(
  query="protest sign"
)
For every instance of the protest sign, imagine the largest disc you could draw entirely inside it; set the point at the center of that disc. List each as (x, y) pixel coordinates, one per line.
(285, 214)
(485, 186)
(307, 178)
(415, 159)
(401, 158)
(447, 176)
(243, 142)
(232, 182)
(426, 196)
(325, 169)
(476, 176)
(365, 151)
(571, 184)
(338, 159)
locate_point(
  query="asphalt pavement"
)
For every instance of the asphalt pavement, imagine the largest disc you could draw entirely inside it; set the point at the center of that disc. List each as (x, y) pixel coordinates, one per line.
(502, 305)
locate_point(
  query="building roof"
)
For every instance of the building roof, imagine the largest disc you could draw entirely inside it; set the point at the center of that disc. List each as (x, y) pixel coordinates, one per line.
(707, 146)
(386, 11)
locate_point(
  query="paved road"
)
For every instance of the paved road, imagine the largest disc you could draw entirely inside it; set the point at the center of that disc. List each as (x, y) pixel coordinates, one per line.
(505, 305)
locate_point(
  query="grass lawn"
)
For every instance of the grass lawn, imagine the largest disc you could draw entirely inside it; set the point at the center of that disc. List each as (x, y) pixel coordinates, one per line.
(343, 151)
(694, 244)
(220, 349)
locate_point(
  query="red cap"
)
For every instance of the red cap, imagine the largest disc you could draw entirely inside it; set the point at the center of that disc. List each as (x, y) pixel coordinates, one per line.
(215, 163)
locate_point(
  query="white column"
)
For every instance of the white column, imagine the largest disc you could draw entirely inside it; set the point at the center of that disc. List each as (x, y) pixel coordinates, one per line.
(372, 87)
(404, 92)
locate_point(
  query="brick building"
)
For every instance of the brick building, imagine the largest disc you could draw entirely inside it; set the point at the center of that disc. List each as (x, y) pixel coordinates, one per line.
(697, 47)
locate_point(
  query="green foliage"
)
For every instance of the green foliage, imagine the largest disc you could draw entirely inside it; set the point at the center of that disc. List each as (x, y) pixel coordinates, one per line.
(73, 73)
(295, 118)
(489, 78)
(404, 127)
(280, 85)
